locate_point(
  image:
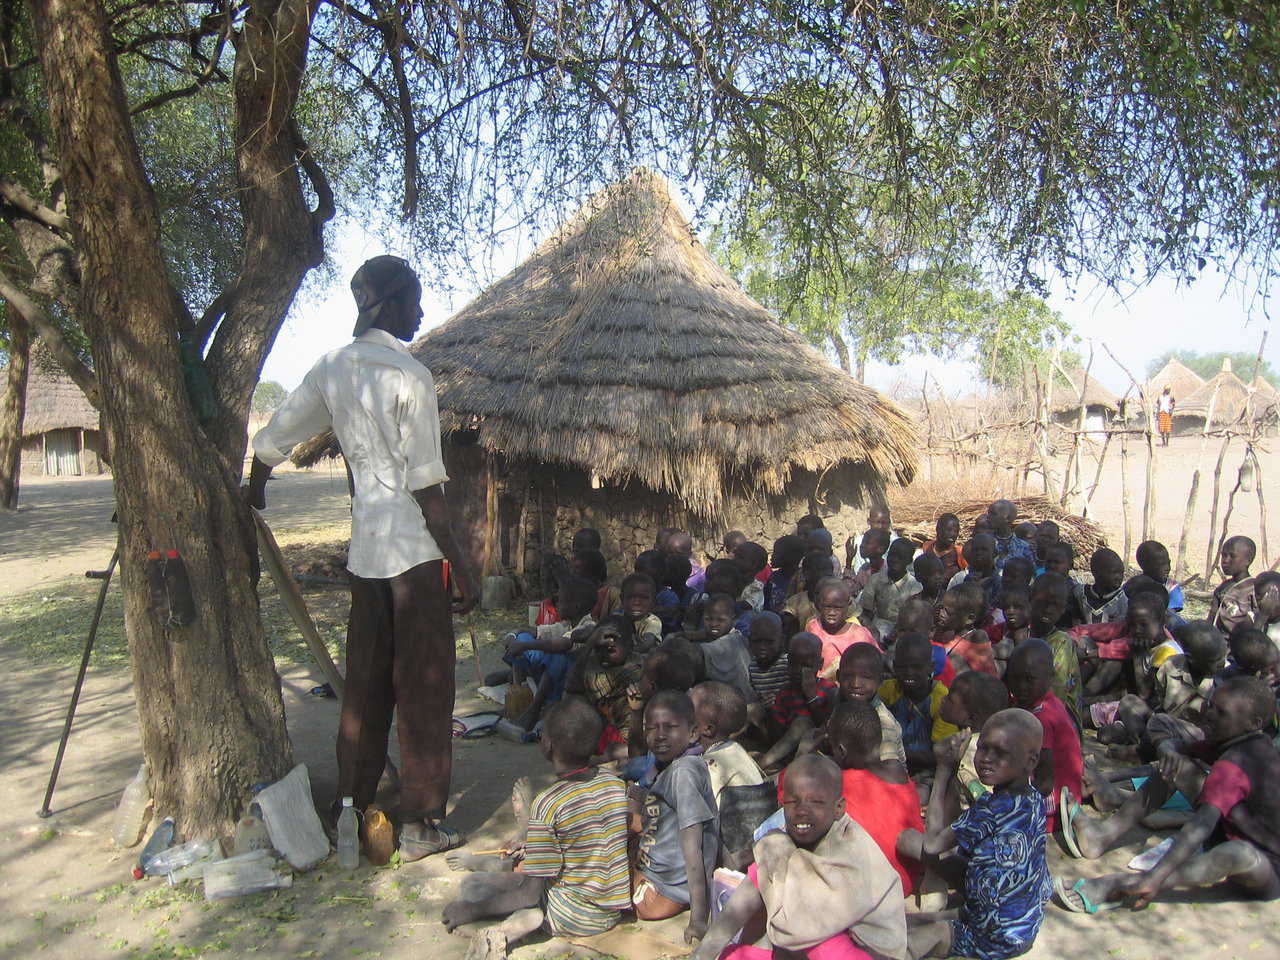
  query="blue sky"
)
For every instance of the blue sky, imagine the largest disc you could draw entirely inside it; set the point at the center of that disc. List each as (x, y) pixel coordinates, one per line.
(1209, 315)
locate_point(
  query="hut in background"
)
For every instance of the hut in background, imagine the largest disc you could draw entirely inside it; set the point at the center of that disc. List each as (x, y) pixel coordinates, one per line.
(620, 379)
(1236, 403)
(1181, 380)
(1100, 404)
(60, 435)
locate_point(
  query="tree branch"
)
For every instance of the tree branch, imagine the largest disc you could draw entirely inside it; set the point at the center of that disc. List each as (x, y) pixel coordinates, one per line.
(76, 369)
(17, 195)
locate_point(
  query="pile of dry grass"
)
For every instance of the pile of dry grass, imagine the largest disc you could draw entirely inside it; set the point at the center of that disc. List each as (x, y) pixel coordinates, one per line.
(916, 518)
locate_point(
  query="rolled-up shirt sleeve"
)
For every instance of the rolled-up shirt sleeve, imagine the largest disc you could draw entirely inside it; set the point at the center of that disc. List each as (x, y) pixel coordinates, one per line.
(420, 434)
(302, 416)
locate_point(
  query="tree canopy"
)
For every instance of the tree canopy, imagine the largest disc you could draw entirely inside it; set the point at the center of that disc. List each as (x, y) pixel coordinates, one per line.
(267, 396)
(1208, 365)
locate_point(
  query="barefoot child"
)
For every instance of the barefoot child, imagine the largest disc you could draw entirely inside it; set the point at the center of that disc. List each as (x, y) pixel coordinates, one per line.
(1004, 893)
(1238, 798)
(678, 821)
(1232, 602)
(822, 887)
(1029, 679)
(719, 713)
(833, 626)
(914, 698)
(570, 854)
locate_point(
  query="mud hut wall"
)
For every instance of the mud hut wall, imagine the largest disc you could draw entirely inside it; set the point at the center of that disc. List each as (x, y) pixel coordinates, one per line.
(556, 502)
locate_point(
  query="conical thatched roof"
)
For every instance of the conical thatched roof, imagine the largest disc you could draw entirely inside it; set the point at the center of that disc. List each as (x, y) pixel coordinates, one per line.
(54, 402)
(622, 348)
(1066, 394)
(1233, 396)
(1181, 379)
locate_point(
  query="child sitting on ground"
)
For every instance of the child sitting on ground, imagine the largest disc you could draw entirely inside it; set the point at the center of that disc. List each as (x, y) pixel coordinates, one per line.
(674, 597)
(677, 820)
(833, 626)
(570, 854)
(875, 544)
(943, 546)
(801, 607)
(751, 560)
(822, 887)
(887, 589)
(967, 647)
(1232, 602)
(1104, 600)
(819, 541)
(802, 705)
(544, 655)
(1047, 534)
(1153, 561)
(769, 669)
(723, 650)
(974, 698)
(1004, 892)
(914, 697)
(720, 713)
(604, 671)
(932, 577)
(878, 793)
(860, 677)
(1266, 605)
(1015, 605)
(1048, 601)
(1029, 679)
(919, 616)
(1252, 655)
(980, 553)
(788, 551)
(638, 593)
(1238, 797)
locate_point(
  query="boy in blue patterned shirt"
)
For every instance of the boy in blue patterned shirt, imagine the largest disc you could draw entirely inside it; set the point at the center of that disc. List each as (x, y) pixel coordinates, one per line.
(1000, 839)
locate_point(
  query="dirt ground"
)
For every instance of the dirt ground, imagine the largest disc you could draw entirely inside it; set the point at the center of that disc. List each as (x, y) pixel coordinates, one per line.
(65, 890)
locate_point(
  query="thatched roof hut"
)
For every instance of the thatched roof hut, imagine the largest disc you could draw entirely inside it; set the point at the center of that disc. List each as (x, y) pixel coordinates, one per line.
(1065, 400)
(1181, 379)
(60, 430)
(621, 351)
(1236, 402)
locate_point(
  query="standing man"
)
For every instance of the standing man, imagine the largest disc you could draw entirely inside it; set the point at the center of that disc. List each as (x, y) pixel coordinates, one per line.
(381, 404)
(1165, 405)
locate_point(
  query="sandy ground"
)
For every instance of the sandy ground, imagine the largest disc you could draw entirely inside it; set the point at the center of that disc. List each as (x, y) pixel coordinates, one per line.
(65, 890)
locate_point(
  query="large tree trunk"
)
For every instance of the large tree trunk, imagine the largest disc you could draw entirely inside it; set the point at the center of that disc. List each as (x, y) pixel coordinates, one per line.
(13, 408)
(208, 694)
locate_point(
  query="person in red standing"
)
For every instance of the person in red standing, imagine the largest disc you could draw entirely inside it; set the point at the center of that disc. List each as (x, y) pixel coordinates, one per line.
(381, 405)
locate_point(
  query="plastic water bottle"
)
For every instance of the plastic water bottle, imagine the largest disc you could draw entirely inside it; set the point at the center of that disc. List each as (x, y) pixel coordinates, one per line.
(177, 857)
(348, 836)
(131, 814)
(161, 839)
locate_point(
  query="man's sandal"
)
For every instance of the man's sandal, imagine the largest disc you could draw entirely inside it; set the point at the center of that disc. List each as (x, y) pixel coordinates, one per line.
(1068, 809)
(1072, 898)
(447, 838)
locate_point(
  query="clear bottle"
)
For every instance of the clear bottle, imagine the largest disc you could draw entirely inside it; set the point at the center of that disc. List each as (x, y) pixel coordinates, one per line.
(348, 836)
(161, 839)
(251, 832)
(131, 814)
(175, 858)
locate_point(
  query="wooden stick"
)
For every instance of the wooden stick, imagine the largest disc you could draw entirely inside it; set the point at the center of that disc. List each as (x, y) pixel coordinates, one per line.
(293, 602)
(1181, 564)
(1262, 505)
(475, 655)
(488, 853)
(1211, 547)
(1124, 496)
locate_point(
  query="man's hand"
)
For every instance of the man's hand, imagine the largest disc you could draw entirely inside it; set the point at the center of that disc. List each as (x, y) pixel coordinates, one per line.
(1171, 766)
(462, 580)
(635, 697)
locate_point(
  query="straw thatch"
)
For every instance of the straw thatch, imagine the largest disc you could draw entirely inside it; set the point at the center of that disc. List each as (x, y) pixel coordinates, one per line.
(54, 402)
(916, 520)
(1235, 403)
(1181, 380)
(622, 349)
(1066, 394)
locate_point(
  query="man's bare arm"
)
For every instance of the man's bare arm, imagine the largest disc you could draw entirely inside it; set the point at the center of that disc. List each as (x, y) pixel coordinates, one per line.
(436, 512)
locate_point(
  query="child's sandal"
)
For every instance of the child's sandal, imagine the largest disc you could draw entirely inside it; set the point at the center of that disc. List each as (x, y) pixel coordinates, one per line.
(1068, 809)
(1073, 899)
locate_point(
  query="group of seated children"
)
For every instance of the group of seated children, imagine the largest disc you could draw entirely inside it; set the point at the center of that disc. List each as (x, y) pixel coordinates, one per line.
(934, 738)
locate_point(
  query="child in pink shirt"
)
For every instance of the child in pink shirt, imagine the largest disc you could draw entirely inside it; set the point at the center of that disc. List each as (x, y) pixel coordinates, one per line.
(834, 627)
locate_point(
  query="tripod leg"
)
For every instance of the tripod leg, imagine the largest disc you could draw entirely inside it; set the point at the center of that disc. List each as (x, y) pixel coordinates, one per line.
(44, 811)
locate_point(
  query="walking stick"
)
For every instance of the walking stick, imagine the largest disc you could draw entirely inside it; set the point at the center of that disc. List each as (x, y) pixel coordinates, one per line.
(105, 576)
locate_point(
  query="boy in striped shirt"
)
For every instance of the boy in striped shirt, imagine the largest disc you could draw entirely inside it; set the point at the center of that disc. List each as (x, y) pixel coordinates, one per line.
(569, 855)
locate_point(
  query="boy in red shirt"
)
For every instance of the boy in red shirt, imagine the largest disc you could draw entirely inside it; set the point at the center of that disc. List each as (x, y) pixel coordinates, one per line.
(1061, 768)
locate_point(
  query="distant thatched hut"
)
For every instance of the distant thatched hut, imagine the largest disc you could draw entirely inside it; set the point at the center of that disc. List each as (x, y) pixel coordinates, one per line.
(620, 379)
(1100, 404)
(60, 435)
(1181, 380)
(1235, 403)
